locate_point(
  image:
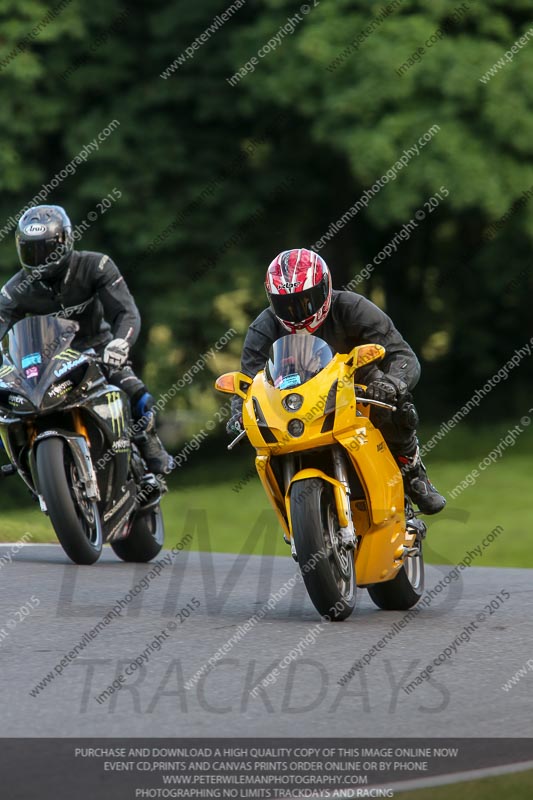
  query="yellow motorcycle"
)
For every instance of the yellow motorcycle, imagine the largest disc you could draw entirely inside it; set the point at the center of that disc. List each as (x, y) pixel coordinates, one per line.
(329, 475)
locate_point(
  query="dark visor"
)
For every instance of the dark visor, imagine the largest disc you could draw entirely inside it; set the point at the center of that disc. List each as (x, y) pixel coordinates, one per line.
(300, 306)
(40, 253)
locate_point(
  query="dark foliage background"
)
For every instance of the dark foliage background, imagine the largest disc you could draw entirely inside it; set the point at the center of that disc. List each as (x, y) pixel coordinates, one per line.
(233, 174)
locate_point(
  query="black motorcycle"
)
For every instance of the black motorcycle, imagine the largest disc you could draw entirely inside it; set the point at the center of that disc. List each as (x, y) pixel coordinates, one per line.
(68, 434)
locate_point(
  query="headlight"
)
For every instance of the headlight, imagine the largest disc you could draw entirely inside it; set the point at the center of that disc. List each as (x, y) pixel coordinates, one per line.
(293, 402)
(295, 427)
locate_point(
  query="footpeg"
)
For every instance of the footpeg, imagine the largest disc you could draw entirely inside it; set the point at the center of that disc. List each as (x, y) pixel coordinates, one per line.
(417, 526)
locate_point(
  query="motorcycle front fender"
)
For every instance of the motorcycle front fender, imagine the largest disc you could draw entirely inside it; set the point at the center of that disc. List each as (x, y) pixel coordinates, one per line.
(82, 458)
(339, 492)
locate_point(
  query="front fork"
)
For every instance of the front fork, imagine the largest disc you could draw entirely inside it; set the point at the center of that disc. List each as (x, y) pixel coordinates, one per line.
(339, 466)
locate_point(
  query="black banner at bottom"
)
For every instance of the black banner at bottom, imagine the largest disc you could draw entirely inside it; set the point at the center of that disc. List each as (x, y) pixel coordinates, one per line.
(127, 769)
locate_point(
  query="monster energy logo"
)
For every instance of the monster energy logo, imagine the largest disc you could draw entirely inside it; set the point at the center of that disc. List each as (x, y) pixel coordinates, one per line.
(116, 412)
(5, 370)
(67, 355)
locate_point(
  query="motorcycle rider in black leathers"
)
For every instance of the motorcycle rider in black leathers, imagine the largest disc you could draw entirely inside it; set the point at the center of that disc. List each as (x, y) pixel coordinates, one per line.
(298, 286)
(88, 288)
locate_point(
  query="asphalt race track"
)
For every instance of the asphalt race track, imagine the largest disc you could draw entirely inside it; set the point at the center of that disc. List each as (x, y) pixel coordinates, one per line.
(464, 696)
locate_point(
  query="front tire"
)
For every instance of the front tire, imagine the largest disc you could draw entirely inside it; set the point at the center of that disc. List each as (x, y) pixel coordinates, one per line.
(405, 590)
(145, 540)
(75, 519)
(328, 569)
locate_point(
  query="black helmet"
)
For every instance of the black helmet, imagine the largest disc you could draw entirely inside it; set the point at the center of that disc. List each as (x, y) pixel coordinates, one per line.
(44, 240)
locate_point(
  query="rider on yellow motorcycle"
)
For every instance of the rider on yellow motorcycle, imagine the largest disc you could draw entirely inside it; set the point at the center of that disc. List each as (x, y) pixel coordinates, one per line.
(299, 289)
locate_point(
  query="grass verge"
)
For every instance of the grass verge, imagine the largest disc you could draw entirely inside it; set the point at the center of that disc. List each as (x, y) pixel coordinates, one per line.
(517, 786)
(216, 499)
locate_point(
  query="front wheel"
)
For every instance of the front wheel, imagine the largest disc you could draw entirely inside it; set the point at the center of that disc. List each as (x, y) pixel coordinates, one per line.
(405, 590)
(145, 540)
(328, 569)
(74, 517)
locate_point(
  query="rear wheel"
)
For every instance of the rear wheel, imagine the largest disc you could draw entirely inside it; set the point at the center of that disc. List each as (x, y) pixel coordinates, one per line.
(328, 569)
(145, 540)
(405, 590)
(74, 517)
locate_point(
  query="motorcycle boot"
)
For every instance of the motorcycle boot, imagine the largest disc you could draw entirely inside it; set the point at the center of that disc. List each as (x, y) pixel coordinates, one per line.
(417, 485)
(145, 437)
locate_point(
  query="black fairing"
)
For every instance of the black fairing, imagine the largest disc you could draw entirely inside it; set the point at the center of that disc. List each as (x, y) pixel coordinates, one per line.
(45, 385)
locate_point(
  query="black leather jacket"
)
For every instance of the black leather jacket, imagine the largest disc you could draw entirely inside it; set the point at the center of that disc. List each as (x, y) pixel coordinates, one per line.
(90, 291)
(352, 320)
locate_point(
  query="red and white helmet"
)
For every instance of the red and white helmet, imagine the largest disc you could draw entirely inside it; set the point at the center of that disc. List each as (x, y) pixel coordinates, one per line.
(298, 286)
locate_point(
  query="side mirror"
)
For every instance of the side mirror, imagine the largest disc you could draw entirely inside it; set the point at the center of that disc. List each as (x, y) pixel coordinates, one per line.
(233, 383)
(363, 355)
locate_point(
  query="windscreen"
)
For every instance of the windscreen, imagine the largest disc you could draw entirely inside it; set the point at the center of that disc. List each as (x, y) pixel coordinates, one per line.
(34, 341)
(295, 359)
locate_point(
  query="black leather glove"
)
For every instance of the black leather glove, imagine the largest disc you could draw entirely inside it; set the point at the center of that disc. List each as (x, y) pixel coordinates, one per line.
(386, 390)
(234, 425)
(381, 390)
